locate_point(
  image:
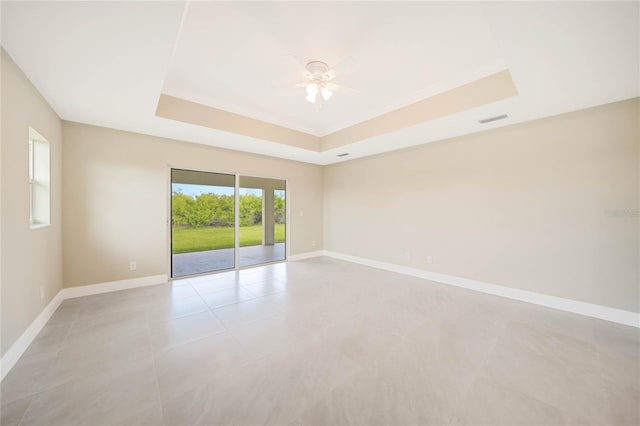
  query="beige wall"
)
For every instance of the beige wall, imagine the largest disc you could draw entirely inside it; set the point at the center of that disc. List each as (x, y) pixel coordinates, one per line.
(31, 259)
(116, 195)
(549, 206)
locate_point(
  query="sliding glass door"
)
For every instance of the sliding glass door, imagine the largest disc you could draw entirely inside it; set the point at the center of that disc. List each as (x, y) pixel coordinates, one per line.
(208, 211)
(262, 220)
(202, 222)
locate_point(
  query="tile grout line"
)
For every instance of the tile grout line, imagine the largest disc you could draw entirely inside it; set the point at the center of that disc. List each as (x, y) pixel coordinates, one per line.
(25, 411)
(229, 329)
(66, 336)
(57, 352)
(155, 368)
(209, 309)
(226, 328)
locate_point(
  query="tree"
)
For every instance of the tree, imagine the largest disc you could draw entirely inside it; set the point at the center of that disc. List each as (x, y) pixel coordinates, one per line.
(181, 204)
(250, 210)
(218, 210)
(203, 210)
(279, 208)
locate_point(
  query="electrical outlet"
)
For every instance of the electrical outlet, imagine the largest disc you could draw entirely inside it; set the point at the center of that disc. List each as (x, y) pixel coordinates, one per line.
(313, 243)
(133, 265)
(429, 260)
(301, 213)
(41, 293)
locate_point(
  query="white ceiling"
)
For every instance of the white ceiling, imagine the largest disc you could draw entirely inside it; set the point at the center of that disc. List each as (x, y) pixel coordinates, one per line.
(106, 63)
(396, 54)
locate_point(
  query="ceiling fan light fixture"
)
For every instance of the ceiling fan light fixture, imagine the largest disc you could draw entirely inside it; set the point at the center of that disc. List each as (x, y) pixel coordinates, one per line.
(326, 93)
(312, 92)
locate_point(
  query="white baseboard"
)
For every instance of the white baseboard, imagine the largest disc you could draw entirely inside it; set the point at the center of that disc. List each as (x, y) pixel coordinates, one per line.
(88, 290)
(307, 255)
(583, 308)
(16, 350)
(9, 359)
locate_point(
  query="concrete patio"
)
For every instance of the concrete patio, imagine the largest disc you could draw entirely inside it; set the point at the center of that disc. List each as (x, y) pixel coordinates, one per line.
(215, 260)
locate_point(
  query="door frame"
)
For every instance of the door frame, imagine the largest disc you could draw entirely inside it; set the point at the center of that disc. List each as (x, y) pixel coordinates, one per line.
(237, 266)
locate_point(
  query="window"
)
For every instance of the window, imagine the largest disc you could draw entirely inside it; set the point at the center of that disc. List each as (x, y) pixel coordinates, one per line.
(39, 179)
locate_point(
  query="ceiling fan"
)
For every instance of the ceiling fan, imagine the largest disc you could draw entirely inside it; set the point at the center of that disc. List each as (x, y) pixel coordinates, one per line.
(319, 86)
(318, 81)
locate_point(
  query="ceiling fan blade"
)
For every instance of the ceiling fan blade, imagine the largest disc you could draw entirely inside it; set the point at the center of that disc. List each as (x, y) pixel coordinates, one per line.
(289, 89)
(341, 89)
(285, 91)
(301, 63)
(342, 67)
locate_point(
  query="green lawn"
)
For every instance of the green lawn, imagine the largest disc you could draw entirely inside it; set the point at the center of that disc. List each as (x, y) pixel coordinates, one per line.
(187, 240)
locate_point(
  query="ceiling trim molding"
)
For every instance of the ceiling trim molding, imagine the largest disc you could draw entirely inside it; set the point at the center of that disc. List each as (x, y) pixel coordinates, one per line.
(484, 91)
(202, 115)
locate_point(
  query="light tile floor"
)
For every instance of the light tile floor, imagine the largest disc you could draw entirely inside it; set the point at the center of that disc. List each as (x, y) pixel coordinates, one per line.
(321, 342)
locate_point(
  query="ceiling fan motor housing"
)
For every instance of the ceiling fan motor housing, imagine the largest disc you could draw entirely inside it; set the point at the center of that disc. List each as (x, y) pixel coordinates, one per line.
(318, 70)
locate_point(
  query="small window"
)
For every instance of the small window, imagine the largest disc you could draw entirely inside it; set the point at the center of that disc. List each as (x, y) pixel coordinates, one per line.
(39, 180)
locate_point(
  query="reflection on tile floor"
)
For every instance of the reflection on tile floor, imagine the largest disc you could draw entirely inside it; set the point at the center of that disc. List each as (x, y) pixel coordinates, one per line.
(321, 342)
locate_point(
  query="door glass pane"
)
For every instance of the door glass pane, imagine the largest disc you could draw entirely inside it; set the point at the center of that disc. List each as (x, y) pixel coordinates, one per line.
(202, 222)
(262, 220)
